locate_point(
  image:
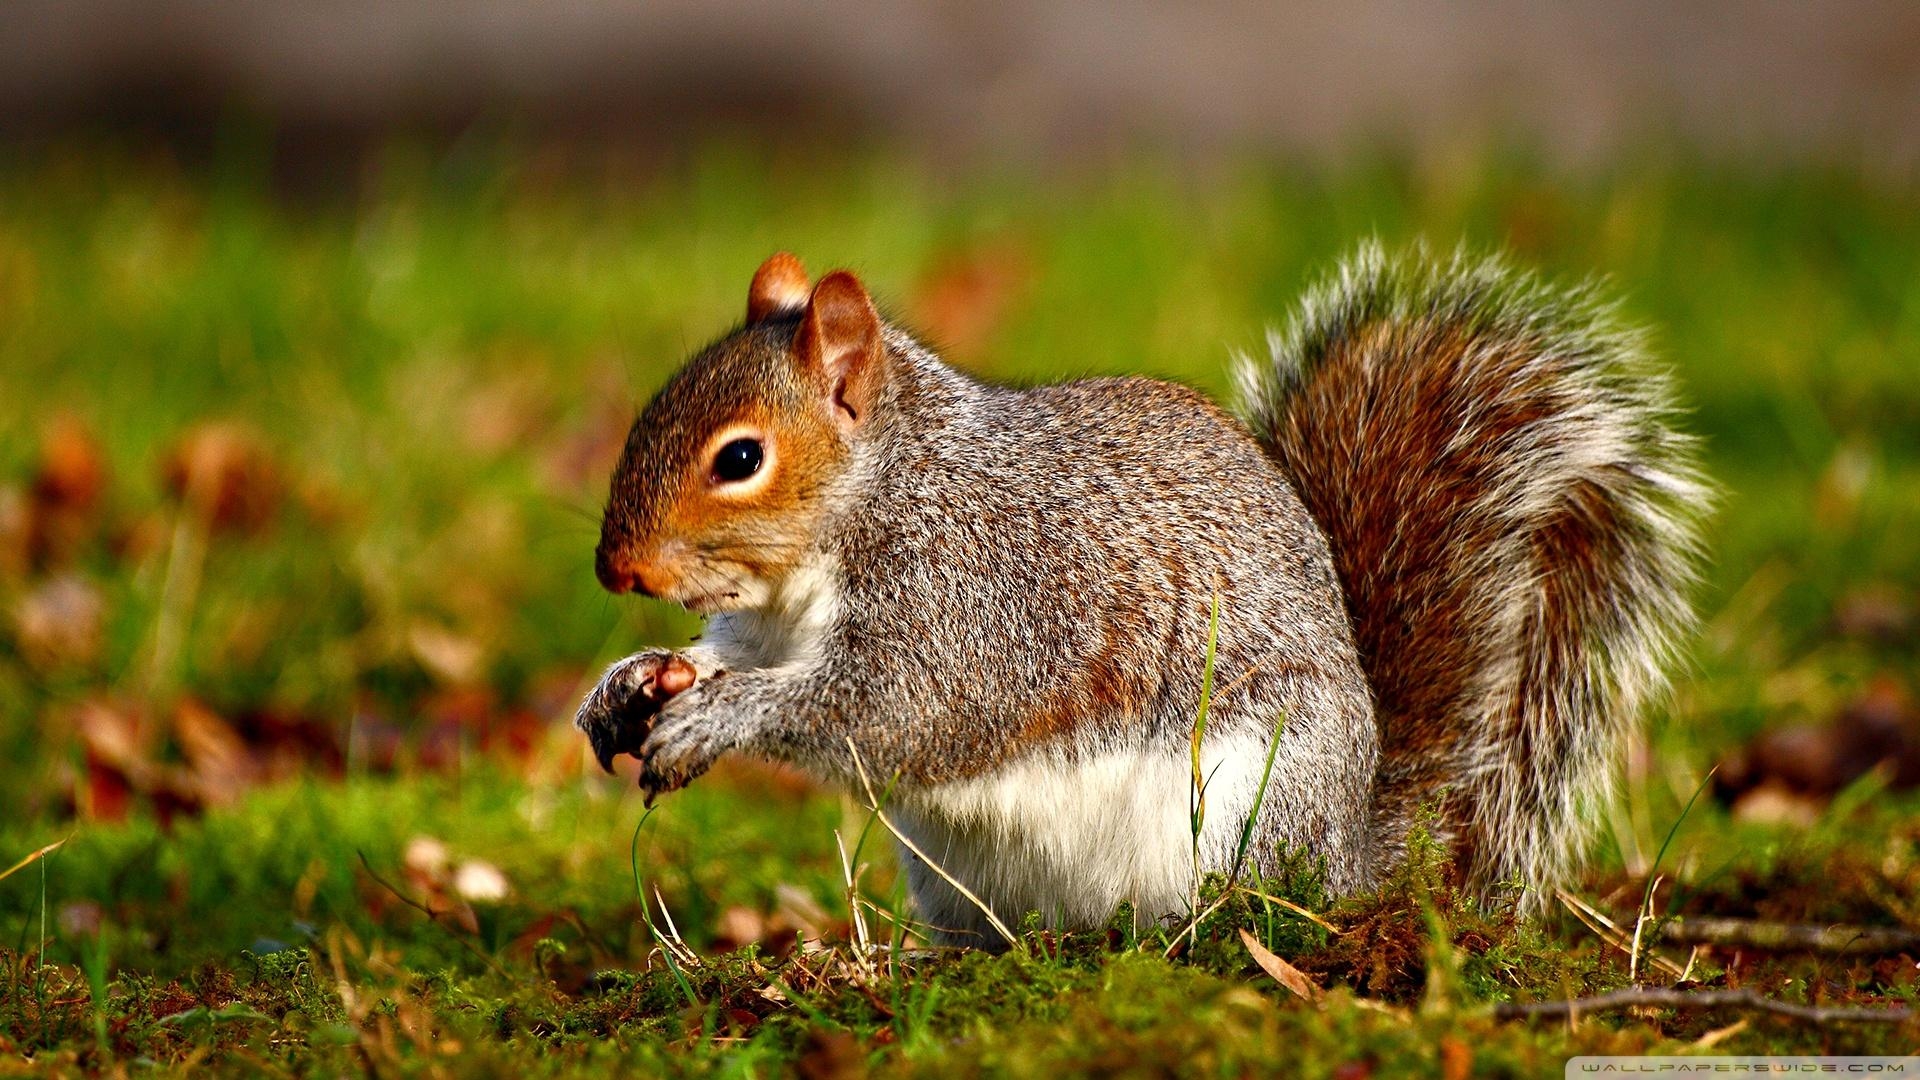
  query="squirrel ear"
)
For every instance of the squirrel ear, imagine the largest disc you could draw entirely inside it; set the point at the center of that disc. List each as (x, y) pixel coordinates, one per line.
(839, 338)
(780, 285)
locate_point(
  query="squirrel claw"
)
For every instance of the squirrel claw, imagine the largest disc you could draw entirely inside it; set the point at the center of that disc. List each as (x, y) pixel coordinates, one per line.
(662, 782)
(618, 715)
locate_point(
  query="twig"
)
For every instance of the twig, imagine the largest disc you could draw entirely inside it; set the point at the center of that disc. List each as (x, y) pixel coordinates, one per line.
(1640, 920)
(672, 939)
(862, 942)
(1789, 937)
(873, 804)
(1227, 894)
(1693, 954)
(1304, 913)
(1655, 997)
(1190, 934)
(1609, 932)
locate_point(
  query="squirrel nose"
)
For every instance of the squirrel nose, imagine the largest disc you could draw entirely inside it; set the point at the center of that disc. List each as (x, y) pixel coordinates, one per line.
(615, 572)
(625, 574)
(614, 579)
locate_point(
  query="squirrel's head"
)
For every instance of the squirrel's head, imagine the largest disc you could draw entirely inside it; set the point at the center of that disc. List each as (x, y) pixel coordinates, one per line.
(727, 472)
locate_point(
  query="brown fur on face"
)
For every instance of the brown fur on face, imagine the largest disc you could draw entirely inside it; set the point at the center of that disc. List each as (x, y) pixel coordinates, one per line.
(671, 528)
(799, 379)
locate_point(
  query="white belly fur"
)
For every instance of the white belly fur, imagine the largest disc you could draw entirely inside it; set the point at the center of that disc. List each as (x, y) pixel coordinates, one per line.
(1072, 838)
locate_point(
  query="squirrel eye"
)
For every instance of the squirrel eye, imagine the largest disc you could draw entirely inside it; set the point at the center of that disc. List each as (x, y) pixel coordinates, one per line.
(738, 460)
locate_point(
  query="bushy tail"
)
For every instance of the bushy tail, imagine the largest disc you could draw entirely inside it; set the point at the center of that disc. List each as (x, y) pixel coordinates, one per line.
(1515, 521)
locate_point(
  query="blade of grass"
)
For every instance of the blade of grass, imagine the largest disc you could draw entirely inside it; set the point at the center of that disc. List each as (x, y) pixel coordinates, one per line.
(646, 914)
(873, 803)
(1283, 902)
(1197, 803)
(886, 793)
(1197, 794)
(1653, 875)
(1259, 796)
(32, 858)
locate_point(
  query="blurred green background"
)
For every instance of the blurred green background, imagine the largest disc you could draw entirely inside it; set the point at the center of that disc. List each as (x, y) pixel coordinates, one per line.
(326, 459)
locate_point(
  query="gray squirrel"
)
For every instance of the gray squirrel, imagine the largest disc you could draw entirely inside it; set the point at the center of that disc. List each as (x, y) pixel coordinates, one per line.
(1450, 538)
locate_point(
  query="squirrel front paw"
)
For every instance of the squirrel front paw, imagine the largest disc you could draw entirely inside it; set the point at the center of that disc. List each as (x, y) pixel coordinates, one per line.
(618, 714)
(684, 743)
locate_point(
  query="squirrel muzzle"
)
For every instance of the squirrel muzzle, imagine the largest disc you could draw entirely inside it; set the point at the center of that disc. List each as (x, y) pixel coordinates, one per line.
(621, 573)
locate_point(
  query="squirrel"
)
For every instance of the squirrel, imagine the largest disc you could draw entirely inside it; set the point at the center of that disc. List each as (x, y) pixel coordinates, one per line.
(1446, 545)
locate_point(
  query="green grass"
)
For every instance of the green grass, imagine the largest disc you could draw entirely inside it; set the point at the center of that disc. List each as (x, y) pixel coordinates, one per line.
(430, 367)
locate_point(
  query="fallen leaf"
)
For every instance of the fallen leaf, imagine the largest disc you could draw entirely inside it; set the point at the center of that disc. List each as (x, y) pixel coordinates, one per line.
(1881, 613)
(480, 882)
(1880, 729)
(963, 298)
(1772, 804)
(58, 623)
(800, 910)
(426, 856)
(67, 492)
(738, 925)
(451, 657)
(16, 531)
(73, 472)
(1283, 973)
(219, 760)
(223, 474)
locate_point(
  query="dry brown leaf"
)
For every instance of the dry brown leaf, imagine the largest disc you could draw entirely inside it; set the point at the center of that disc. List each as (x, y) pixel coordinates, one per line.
(797, 908)
(963, 298)
(16, 531)
(58, 623)
(219, 760)
(480, 882)
(739, 925)
(1283, 973)
(1787, 774)
(1772, 804)
(222, 473)
(1878, 612)
(68, 489)
(450, 657)
(114, 735)
(73, 471)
